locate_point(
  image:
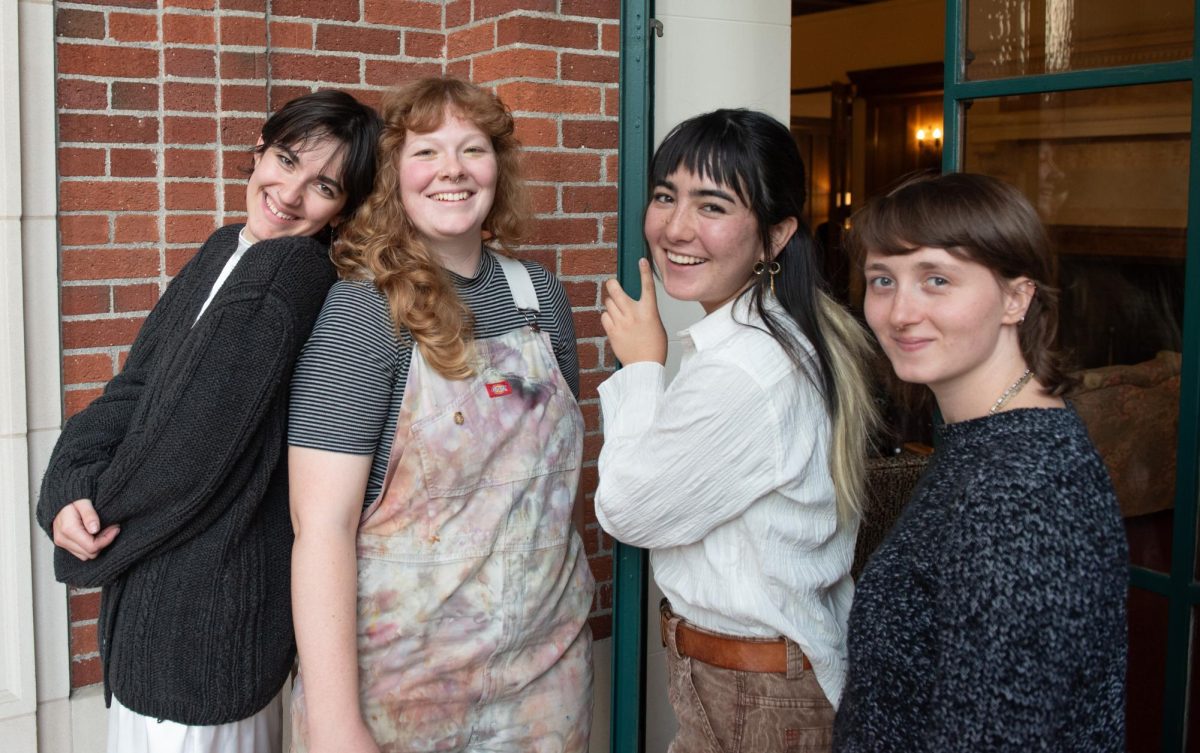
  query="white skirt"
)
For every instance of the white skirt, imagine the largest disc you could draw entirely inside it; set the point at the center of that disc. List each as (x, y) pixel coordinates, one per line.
(130, 732)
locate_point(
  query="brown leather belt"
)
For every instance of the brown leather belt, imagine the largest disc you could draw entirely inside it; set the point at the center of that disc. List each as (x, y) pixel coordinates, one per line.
(726, 651)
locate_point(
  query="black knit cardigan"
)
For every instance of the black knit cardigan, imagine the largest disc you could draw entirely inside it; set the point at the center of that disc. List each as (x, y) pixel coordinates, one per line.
(186, 450)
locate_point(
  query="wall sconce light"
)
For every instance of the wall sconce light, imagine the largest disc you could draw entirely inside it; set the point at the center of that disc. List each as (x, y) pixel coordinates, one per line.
(929, 137)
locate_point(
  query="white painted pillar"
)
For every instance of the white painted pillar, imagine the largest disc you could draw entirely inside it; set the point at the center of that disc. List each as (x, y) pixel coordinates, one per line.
(713, 54)
(49, 719)
(18, 686)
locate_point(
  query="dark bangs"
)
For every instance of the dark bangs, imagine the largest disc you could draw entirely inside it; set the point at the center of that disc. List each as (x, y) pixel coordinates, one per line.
(980, 219)
(717, 147)
(334, 115)
(973, 217)
(705, 146)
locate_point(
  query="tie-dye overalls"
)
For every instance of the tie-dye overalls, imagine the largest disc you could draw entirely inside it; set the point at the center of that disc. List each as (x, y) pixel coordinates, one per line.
(473, 587)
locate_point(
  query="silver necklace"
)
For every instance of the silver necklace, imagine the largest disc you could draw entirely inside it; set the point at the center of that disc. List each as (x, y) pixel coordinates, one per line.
(1011, 392)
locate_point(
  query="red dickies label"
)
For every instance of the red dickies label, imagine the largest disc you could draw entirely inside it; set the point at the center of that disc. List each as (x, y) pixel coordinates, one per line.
(499, 389)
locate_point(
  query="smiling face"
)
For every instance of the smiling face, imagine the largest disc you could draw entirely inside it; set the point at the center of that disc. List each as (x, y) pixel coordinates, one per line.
(448, 183)
(294, 190)
(704, 241)
(942, 320)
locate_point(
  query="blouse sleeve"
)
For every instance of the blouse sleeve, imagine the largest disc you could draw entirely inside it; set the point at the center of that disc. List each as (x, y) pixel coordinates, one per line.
(678, 462)
(343, 382)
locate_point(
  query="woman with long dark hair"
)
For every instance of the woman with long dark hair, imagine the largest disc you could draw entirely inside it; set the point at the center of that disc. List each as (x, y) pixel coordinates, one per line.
(744, 475)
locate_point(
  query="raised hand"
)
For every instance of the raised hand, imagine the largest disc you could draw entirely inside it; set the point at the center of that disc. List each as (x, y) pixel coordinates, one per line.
(634, 328)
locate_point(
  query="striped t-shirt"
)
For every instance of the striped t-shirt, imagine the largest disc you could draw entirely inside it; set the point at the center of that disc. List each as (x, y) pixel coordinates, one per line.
(349, 383)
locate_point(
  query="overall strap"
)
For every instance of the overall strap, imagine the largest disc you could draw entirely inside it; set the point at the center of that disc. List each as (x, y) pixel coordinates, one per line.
(519, 283)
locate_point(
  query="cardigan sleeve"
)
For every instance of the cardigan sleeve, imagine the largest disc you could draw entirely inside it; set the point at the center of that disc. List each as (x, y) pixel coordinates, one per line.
(91, 437)
(678, 462)
(217, 393)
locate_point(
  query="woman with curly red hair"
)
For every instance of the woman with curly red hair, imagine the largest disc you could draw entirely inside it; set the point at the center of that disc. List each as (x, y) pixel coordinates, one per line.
(441, 594)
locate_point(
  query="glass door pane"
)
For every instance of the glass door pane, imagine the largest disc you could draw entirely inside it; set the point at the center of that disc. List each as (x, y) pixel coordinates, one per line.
(1145, 677)
(1107, 170)
(1025, 37)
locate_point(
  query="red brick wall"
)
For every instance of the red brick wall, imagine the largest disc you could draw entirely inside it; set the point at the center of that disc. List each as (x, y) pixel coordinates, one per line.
(156, 97)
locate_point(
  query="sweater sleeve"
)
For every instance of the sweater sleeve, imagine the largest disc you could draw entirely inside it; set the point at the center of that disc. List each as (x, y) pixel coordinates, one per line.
(1012, 614)
(213, 398)
(661, 484)
(91, 437)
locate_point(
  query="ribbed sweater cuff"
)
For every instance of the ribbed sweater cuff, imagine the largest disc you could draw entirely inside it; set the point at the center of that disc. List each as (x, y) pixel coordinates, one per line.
(61, 488)
(79, 485)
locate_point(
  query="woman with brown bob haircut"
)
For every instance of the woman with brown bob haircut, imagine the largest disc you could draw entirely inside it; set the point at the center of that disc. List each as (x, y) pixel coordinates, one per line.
(993, 615)
(440, 591)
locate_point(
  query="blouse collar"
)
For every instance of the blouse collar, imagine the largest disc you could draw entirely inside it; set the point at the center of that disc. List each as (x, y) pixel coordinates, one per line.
(725, 321)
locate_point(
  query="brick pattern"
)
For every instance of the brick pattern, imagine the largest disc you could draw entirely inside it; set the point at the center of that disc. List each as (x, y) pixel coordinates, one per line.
(156, 97)
(544, 58)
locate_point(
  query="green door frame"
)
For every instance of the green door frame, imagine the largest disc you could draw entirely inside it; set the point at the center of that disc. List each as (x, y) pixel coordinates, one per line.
(1179, 586)
(627, 729)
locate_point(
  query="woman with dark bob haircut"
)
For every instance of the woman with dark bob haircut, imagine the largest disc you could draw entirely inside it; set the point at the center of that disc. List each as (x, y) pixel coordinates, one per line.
(170, 489)
(744, 475)
(993, 615)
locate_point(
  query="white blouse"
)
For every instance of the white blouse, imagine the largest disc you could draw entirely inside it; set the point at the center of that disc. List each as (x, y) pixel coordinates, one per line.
(724, 476)
(244, 244)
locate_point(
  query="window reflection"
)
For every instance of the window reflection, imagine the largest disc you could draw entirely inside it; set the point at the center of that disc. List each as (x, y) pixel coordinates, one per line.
(1107, 170)
(1024, 37)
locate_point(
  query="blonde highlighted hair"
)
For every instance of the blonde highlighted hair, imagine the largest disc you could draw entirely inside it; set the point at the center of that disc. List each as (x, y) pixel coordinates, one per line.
(855, 417)
(381, 243)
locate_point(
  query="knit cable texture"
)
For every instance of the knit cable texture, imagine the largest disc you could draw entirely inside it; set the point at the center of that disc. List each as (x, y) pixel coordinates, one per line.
(185, 449)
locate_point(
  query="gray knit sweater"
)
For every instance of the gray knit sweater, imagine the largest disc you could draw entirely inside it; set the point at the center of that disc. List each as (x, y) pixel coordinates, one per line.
(185, 449)
(992, 618)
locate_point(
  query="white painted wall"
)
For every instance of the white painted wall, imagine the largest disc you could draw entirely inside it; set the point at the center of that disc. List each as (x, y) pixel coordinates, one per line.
(55, 721)
(43, 718)
(717, 53)
(18, 687)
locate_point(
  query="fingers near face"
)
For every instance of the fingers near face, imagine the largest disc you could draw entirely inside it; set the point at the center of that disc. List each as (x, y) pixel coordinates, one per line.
(612, 296)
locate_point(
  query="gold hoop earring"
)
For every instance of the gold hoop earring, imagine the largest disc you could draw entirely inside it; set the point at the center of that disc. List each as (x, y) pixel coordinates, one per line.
(771, 269)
